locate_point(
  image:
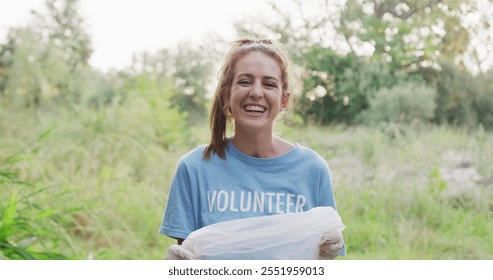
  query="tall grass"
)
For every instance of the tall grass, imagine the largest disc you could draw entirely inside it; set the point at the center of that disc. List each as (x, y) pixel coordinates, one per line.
(396, 196)
(28, 229)
(108, 165)
(102, 177)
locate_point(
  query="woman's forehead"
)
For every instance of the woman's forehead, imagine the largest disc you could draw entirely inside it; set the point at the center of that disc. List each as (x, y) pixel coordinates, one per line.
(258, 64)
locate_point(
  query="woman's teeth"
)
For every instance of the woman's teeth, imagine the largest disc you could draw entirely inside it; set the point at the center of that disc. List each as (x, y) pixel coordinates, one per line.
(254, 108)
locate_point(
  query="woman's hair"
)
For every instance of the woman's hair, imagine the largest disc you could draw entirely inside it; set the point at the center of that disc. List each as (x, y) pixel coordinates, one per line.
(218, 118)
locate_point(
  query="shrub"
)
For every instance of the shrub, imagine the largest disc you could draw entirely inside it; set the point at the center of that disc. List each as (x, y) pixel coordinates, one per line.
(483, 101)
(456, 91)
(404, 103)
(144, 109)
(337, 88)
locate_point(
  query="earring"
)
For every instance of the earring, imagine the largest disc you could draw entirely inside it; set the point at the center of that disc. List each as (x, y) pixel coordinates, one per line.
(227, 111)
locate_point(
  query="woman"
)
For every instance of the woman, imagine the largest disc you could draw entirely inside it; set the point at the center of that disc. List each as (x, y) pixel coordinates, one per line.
(254, 172)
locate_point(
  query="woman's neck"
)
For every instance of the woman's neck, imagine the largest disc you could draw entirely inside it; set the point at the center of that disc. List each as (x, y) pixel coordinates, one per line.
(260, 145)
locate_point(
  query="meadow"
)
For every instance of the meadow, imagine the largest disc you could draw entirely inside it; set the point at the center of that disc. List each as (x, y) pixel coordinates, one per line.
(92, 184)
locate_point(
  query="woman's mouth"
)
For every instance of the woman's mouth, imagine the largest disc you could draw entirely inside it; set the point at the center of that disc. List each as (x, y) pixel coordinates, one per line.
(254, 108)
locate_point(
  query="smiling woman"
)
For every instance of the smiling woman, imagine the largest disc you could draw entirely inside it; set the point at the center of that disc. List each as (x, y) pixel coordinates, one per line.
(255, 78)
(255, 100)
(253, 173)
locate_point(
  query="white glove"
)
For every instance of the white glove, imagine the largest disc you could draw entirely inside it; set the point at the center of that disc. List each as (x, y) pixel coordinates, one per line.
(177, 252)
(331, 245)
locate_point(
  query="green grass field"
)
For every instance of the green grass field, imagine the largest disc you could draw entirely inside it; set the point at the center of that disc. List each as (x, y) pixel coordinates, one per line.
(94, 186)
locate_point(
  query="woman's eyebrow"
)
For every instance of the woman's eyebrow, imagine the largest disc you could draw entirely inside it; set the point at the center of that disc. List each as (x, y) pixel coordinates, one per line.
(244, 74)
(271, 78)
(251, 76)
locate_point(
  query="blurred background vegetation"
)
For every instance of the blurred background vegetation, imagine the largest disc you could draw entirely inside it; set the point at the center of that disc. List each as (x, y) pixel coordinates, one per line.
(397, 95)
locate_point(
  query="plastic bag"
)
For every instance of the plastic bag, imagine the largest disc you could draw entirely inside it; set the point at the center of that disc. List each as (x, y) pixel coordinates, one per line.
(281, 237)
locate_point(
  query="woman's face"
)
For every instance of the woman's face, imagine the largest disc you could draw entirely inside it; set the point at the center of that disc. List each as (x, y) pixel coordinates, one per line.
(256, 95)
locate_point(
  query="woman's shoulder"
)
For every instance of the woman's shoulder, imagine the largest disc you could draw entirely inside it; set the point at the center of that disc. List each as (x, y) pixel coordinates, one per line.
(197, 154)
(309, 155)
(308, 152)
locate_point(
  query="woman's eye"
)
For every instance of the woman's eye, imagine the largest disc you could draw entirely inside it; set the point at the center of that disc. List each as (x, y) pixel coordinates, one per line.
(272, 85)
(244, 82)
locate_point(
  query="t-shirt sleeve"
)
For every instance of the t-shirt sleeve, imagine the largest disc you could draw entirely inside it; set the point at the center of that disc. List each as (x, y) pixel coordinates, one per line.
(326, 192)
(178, 220)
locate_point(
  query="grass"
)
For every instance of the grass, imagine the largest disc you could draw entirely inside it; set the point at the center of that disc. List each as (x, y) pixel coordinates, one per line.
(101, 180)
(27, 229)
(393, 197)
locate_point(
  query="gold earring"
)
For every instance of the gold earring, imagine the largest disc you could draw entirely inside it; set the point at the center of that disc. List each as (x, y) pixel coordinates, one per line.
(227, 111)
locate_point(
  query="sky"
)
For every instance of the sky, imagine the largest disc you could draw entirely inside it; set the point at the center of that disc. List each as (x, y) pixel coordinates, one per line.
(119, 28)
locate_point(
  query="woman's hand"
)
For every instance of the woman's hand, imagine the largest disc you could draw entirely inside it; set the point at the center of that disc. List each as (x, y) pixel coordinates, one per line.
(177, 252)
(331, 245)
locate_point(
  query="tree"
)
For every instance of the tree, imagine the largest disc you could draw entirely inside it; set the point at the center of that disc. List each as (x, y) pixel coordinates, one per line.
(413, 34)
(299, 25)
(64, 28)
(483, 102)
(143, 99)
(21, 77)
(47, 60)
(192, 68)
(349, 50)
(338, 88)
(68, 40)
(456, 91)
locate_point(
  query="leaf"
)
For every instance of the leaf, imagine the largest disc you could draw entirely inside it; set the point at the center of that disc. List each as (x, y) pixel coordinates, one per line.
(8, 217)
(45, 133)
(11, 251)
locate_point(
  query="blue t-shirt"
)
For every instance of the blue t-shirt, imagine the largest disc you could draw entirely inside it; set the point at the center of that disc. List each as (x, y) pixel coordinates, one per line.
(204, 192)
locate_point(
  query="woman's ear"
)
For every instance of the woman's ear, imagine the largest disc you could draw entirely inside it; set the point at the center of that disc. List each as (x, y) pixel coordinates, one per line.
(286, 95)
(227, 108)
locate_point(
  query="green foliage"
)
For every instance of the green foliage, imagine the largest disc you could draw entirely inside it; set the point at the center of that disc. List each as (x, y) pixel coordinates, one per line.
(20, 238)
(65, 28)
(399, 40)
(340, 88)
(403, 103)
(407, 34)
(300, 27)
(46, 63)
(397, 202)
(457, 91)
(389, 187)
(110, 164)
(150, 102)
(97, 187)
(28, 230)
(324, 94)
(21, 69)
(357, 85)
(483, 99)
(192, 69)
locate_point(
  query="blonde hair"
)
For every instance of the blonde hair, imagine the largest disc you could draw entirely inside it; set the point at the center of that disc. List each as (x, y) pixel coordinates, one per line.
(218, 117)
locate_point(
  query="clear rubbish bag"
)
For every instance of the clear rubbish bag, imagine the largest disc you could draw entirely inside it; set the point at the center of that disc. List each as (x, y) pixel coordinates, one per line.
(295, 236)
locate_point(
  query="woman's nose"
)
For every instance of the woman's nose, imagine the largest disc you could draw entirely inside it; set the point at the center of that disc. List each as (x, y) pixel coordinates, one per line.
(257, 91)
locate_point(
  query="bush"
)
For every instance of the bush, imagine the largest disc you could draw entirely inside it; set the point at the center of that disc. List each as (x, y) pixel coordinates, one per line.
(404, 103)
(338, 87)
(456, 91)
(147, 101)
(483, 101)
